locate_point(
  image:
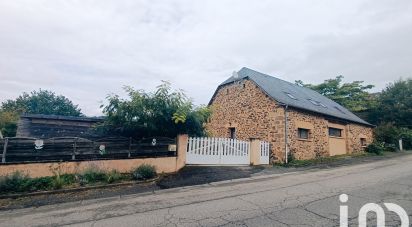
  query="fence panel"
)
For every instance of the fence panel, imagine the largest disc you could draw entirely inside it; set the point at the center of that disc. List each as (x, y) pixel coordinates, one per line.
(74, 148)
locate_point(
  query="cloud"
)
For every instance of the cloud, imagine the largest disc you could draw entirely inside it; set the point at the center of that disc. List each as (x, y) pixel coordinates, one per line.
(87, 49)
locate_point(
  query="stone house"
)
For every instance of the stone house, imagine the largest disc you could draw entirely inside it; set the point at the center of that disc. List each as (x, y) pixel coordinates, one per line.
(298, 122)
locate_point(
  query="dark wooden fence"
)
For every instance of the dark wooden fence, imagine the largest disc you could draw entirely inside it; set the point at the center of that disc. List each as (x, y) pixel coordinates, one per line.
(18, 150)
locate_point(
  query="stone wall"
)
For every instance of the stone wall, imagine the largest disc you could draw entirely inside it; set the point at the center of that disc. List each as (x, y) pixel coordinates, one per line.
(317, 143)
(247, 108)
(244, 106)
(355, 133)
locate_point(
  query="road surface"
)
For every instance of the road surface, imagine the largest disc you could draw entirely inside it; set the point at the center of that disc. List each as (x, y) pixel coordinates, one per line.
(296, 199)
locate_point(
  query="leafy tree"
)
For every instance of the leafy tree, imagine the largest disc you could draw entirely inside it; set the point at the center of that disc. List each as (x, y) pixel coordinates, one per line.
(353, 96)
(165, 112)
(37, 102)
(41, 102)
(8, 124)
(394, 105)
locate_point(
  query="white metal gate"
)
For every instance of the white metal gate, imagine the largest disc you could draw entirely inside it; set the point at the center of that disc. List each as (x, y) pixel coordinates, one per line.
(217, 151)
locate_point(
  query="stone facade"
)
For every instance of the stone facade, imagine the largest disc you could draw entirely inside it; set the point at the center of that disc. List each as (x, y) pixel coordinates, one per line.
(253, 114)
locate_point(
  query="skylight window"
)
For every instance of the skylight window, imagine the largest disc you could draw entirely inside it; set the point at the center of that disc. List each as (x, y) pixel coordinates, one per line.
(339, 110)
(291, 96)
(316, 103)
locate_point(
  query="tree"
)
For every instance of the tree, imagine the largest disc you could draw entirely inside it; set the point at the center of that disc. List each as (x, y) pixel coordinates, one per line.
(41, 102)
(353, 96)
(394, 105)
(37, 102)
(165, 112)
(8, 123)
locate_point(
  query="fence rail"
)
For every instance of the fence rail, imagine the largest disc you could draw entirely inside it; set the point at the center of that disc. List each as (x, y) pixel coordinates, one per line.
(18, 150)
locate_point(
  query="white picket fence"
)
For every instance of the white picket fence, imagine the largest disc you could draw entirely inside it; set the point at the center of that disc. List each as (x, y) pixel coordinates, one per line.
(217, 151)
(264, 153)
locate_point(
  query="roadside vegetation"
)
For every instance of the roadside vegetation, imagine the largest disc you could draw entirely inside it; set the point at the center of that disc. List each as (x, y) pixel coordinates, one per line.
(19, 182)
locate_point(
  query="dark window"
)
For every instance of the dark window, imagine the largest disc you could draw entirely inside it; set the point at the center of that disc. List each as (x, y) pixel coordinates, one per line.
(363, 142)
(244, 85)
(227, 91)
(303, 133)
(335, 132)
(232, 133)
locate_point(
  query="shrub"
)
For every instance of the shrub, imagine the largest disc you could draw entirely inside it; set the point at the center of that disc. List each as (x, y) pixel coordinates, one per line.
(113, 176)
(92, 175)
(40, 184)
(144, 172)
(376, 148)
(16, 182)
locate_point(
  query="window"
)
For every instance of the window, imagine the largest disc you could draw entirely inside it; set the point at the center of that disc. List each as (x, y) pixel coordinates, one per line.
(323, 105)
(339, 110)
(316, 103)
(335, 132)
(232, 132)
(291, 96)
(303, 133)
(363, 142)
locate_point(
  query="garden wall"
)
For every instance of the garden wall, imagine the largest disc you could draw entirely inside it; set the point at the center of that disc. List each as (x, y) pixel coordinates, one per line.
(162, 164)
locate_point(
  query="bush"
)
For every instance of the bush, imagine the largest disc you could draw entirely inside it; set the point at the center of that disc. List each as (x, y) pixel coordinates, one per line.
(390, 134)
(375, 148)
(92, 175)
(16, 182)
(113, 176)
(144, 172)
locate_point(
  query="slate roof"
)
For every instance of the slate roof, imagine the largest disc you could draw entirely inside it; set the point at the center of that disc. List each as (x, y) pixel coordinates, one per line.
(295, 96)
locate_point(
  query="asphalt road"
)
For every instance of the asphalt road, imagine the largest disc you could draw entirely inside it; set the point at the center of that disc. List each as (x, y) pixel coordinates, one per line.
(309, 198)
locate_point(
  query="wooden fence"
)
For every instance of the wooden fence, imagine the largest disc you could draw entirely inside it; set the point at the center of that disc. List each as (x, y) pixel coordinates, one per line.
(18, 150)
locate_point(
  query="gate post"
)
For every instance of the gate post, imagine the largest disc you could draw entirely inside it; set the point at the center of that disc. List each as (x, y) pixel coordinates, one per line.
(254, 152)
(182, 142)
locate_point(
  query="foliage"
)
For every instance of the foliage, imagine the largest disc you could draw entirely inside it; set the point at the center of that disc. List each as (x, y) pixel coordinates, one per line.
(388, 133)
(376, 148)
(16, 182)
(8, 123)
(92, 175)
(165, 112)
(144, 172)
(37, 102)
(113, 176)
(394, 105)
(353, 96)
(41, 102)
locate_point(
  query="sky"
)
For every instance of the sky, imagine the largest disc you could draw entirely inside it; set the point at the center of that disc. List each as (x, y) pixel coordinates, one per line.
(86, 50)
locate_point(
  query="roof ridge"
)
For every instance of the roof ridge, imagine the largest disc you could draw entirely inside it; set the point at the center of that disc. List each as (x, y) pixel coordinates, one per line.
(278, 88)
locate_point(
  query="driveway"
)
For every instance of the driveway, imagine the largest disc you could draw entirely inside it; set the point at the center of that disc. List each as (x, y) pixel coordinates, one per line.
(308, 198)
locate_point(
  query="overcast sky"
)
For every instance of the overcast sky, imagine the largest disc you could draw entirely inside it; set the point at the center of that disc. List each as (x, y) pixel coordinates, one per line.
(87, 49)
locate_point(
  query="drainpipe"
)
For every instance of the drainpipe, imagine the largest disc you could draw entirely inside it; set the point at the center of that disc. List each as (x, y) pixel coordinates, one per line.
(286, 134)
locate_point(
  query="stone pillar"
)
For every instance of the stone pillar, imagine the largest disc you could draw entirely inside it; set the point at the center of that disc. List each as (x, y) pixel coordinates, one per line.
(255, 152)
(182, 141)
